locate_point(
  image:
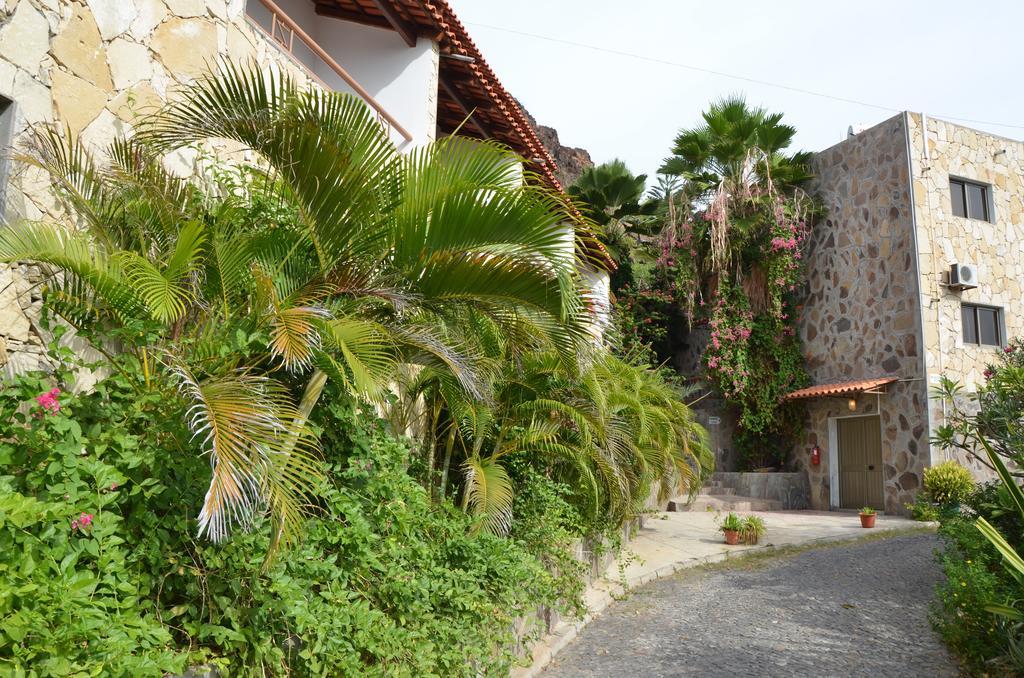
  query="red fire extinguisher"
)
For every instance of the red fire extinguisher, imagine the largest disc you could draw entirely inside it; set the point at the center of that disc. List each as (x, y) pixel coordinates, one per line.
(815, 455)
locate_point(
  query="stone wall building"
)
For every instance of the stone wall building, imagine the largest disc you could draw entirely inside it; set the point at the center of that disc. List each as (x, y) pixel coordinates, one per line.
(94, 66)
(882, 319)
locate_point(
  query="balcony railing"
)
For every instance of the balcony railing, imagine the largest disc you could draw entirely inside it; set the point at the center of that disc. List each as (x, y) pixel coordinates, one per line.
(283, 30)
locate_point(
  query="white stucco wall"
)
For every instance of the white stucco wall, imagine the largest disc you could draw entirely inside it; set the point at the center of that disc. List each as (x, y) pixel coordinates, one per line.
(402, 79)
(597, 287)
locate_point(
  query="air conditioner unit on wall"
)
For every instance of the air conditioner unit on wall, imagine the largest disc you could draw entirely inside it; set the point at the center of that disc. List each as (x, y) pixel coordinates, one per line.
(963, 276)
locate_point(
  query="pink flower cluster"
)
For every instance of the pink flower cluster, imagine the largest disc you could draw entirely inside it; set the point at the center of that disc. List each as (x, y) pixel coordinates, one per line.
(81, 522)
(48, 401)
(787, 244)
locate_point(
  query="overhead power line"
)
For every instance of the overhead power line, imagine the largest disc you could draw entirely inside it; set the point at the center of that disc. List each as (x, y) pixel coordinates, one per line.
(722, 74)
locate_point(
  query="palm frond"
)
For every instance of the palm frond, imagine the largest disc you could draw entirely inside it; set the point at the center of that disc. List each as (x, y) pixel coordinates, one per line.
(75, 254)
(368, 358)
(262, 454)
(488, 493)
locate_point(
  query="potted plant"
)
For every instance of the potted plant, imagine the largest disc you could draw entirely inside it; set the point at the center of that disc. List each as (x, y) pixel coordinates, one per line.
(731, 527)
(867, 517)
(753, 528)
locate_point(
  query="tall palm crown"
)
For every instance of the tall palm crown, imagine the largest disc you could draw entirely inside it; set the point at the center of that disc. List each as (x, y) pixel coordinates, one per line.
(612, 197)
(737, 145)
(334, 256)
(609, 191)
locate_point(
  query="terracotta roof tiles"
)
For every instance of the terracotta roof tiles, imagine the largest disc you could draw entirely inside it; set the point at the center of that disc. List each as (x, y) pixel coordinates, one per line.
(472, 86)
(842, 388)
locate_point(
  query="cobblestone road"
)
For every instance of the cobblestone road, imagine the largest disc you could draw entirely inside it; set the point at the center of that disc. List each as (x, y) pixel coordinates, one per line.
(854, 610)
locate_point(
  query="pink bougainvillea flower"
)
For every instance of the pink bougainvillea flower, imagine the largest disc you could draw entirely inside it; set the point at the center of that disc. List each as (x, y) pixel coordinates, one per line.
(988, 374)
(48, 401)
(85, 519)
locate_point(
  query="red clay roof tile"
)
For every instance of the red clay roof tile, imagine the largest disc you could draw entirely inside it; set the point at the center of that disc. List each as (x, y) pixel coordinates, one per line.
(842, 388)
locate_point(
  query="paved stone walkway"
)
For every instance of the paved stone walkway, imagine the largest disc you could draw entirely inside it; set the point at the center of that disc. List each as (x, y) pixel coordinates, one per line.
(856, 609)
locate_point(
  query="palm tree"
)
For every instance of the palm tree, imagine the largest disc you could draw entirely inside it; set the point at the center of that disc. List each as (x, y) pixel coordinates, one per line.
(612, 197)
(610, 192)
(736, 146)
(610, 430)
(334, 257)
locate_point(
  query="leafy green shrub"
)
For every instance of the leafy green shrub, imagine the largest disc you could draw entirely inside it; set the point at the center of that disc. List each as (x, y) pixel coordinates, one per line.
(548, 526)
(923, 509)
(85, 515)
(975, 578)
(994, 411)
(948, 482)
(100, 573)
(386, 583)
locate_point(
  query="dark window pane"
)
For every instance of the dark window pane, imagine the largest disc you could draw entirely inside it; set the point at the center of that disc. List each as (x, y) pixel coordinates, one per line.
(956, 195)
(970, 324)
(988, 326)
(977, 202)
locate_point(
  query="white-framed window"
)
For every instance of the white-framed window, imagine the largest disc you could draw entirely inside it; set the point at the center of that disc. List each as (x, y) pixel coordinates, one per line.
(970, 199)
(983, 325)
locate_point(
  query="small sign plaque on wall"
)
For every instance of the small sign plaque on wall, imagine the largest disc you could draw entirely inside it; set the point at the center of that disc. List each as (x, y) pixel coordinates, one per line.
(714, 421)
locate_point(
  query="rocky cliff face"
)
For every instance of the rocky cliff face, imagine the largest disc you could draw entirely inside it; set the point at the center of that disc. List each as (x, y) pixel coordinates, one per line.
(571, 161)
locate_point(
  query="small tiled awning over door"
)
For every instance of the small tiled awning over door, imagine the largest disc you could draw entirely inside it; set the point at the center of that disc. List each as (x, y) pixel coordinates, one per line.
(841, 389)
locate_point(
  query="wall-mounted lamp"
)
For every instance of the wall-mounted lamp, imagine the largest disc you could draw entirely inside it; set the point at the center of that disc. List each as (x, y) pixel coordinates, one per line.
(852, 404)
(464, 58)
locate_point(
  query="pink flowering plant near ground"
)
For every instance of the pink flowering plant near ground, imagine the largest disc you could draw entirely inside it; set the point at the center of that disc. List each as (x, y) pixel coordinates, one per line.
(48, 401)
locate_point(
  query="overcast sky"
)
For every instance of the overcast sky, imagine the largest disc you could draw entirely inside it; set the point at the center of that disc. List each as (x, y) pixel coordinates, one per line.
(955, 60)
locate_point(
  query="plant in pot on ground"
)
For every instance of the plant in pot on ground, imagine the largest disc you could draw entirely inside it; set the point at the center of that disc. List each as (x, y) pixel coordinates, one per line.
(867, 517)
(752, 529)
(731, 527)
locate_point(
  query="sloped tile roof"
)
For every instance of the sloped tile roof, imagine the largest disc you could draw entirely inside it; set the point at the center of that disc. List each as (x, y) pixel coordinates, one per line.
(842, 388)
(466, 87)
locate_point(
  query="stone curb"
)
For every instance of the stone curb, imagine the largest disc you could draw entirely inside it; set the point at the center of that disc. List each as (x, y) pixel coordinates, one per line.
(565, 632)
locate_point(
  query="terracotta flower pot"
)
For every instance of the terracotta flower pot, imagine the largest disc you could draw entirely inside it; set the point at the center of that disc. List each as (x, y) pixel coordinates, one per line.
(868, 519)
(732, 537)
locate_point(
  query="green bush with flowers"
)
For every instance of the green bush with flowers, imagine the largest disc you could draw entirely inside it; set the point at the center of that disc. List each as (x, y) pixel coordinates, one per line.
(101, 573)
(746, 299)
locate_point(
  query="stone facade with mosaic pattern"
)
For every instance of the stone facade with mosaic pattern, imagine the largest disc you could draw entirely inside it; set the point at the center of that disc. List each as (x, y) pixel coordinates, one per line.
(877, 301)
(95, 67)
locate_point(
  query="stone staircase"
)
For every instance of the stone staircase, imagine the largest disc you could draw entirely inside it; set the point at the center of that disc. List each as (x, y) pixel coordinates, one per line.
(717, 496)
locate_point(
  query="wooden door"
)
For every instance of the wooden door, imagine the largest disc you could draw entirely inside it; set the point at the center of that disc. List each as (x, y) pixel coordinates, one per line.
(860, 462)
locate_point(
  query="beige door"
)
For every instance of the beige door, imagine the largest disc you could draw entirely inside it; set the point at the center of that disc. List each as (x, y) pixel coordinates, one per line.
(860, 462)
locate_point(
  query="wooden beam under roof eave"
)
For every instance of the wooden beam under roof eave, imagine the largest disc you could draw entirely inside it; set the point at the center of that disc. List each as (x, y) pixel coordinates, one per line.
(454, 96)
(401, 26)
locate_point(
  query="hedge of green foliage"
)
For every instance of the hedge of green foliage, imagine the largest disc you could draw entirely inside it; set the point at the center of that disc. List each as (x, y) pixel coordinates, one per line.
(100, 573)
(976, 578)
